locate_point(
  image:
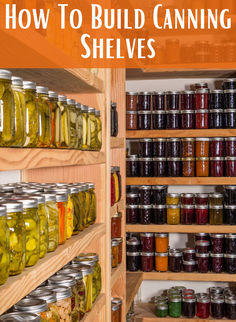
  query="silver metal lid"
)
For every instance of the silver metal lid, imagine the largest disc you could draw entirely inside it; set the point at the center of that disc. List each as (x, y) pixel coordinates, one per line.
(91, 110)
(144, 112)
(61, 279)
(115, 307)
(61, 197)
(115, 243)
(147, 254)
(5, 74)
(173, 159)
(78, 105)
(173, 140)
(201, 207)
(230, 255)
(3, 211)
(173, 206)
(29, 85)
(202, 91)
(97, 113)
(187, 207)
(49, 196)
(71, 101)
(28, 202)
(189, 251)
(144, 187)
(159, 112)
(94, 256)
(12, 206)
(230, 158)
(232, 207)
(31, 305)
(216, 195)
(217, 91)
(232, 138)
(62, 98)
(187, 195)
(202, 139)
(146, 234)
(132, 206)
(145, 93)
(201, 111)
(216, 207)
(161, 235)
(40, 198)
(84, 269)
(62, 292)
(230, 110)
(53, 94)
(217, 235)
(232, 236)
(159, 187)
(159, 206)
(217, 255)
(189, 263)
(116, 300)
(20, 317)
(230, 91)
(77, 275)
(133, 241)
(203, 255)
(202, 243)
(42, 90)
(89, 261)
(44, 294)
(17, 81)
(131, 93)
(145, 207)
(173, 195)
(133, 254)
(161, 254)
(84, 108)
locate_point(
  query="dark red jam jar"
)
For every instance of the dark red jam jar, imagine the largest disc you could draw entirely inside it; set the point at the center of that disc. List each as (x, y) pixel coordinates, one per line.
(202, 246)
(173, 120)
(187, 199)
(202, 263)
(147, 261)
(217, 243)
(159, 214)
(189, 307)
(132, 166)
(230, 215)
(202, 236)
(230, 146)
(201, 199)
(217, 166)
(229, 83)
(172, 100)
(187, 119)
(201, 119)
(230, 308)
(131, 120)
(188, 147)
(201, 99)
(158, 101)
(145, 214)
(145, 167)
(203, 307)
(174, 167)
(144, 120)
(189, 266)
(230, 118)
(145, 148)
(230, 243)
(187, 100)
(217, 99)
(230, 166)
(133, 261)
(159, 167)
(132, 214)
(189, 254)
(133, 245)
(216, 119)
(175, 260)
(187, 214)
(173, 148)
(230, 195)
(132, 198)
(159, 195)
(230, 98)
(201, 214)
(217, 263)
(230, 263)
(217, 147)
(144, 101)
(188, 167)
(131, 101)
(158, 120)
(188, 292)
(145, 194)
(159, 148)
(147, 242)
(116, 225)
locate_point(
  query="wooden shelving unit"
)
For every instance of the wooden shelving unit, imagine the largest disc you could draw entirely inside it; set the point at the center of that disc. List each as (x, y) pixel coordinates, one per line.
(206, 181)
(117, 143)
(133, 282)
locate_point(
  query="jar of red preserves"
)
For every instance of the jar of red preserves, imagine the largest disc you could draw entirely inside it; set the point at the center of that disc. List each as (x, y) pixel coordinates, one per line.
(189, 254)
(187, 214)
(159, 195)
(175, 260)
(145, 148)
(202, 263)
(174, 167)
(133, 245)
(202, 246)
(202, 236)
(173, 148)
(201, 99)
(189, 266)
(159, 214)
(132, 198)
(145, 166)
(230, 195)
(187, 119)
(230, 118)
(216, 119)
(203, 307)
(131, 101)
(217, 147)
(132, 214)
(188, 147)
(217, 99)
(144, 101)
(188, 167)
(132, 166)
(230, 146)
(201, 213)
(159, 167)
(147, 261)
(187, 100)
(201, 119)
(147, 242)
(159, 148)
(217, 261)
(158, 101)
(187, 199)
(217, 167)
(217, 243)
(173, 120)
(158, 120)
(172, 100)
(145, 214)
(145, 194)
(230, 166)
(201, 199)
(116, 225)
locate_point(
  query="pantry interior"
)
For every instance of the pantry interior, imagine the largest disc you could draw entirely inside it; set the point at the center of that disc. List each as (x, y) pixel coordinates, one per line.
(50, 165)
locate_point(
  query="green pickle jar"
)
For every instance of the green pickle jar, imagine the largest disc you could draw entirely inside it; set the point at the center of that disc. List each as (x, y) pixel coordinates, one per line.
(16, 225)
(55, 120)
(92, 129)
(74, 191)
(84, 188)
(99, 130)
(4, 246)
(31, 115)
(161, 310)
(65, 122)
(80, 126)
(19, 98)
(73, 124)
(92, 210)
(44, 117)
(175, 306)
(84, 111)
(33, 305)
(216, 215)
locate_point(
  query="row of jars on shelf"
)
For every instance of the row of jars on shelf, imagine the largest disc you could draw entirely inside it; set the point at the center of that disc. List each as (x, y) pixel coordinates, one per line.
(179, 301)
(116, 309)
(35, 218)
(32, 116)
(116, 185)
(66, 296)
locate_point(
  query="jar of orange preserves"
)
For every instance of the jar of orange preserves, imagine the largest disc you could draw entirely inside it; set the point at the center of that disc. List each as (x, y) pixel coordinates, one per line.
(161, 242)
(161, 262)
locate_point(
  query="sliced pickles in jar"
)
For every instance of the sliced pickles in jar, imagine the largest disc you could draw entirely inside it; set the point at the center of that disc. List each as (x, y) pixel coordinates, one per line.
(74, 191)
(4, 246)
(55, 120)
(93, 203)
(92, 129)
(33, 305)
(65, 121)
(99, 130)
(84, 111)
(80, 126)
(73, 123)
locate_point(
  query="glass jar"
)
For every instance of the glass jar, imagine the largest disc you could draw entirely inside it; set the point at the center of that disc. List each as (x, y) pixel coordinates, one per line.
(159, 195)
(114, 120)
(201, 85)
(120, 241)
(145, 193)
(158, 120)
(230, 195)
(84, 130)
(116, 183)
(173, 147)
(78, 199)
(161, 310)
(147, 261)
(144, 101)
(132, 214)
(230, 118)
(202, 167)
(175, 261)
(44, 108)
(55, 120)
(147, 242)
(159, 148)
(202, 147)
(87, 273)
(202, 236)
(31, 114)
(174, 167)
(65, 122)
(216, 99)
(64, 300)
(230, 214)
(217, 263)
(173, 120)
(115, 252)
(145, 165)
(189, 266)
(217, 243)
(230, 243)
(201, 199)
(20, 108)
(187, 119)
(230, 146)
(230, 308)
(73, 123)
(159, 167)
(20, 316)
(158, 101)
(145, 148)
(188, 307)
(188, 167)
(201, 119)
(187, 199)
(216, 119)
(202, 263)
(172, 198)
(175, 306)
(61, 200)
(201, 99)
(217, 167)
(172, 100)
(230, 98)
(187, 214)
(229, 83)
(113, 192)
(99, 130)
(189, 254)
(132, 198)
(4, 246)
(159, 214)
(217, 147)
(132, 166)
(187, 100)
(115, 313)
(230, 166)
(203, 307)
(161, 262)
(92, 129)
(33, 305)
(131, 120)
(131, 101)
(201, 213)
(133, 261)
(188, 147)
(79, 120)
(202, 246)
(144, 120)
(173, 214)
(161, 242)
(145, 214)
(216, 215)
(230, 263)
(116, 225)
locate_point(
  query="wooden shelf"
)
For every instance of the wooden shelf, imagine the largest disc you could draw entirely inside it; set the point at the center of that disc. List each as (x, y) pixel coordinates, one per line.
(119, 206)
(19, 286)
(96, 309)
(116, 273)
(21, 159)
(182, 276)
(133, 282)
(117, 143)
(191, 229)
(180, 133)
(207, 181)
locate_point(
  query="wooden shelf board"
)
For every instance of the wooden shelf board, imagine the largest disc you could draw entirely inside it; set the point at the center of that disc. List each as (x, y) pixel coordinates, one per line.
(207, 181)
(117, 143)
(133, 282)
(119, 206)
(19, 286)
(96, 309)
(180, 133)
(181, 229)
(116, 273)
(21, 159)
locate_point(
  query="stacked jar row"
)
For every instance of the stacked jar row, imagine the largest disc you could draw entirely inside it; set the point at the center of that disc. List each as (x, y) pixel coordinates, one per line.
(32, 116)
(179, 301)
(36, 218)
(115, 185)
(65, 296)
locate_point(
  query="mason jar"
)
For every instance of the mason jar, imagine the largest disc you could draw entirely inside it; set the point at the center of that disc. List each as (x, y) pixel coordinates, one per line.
(33, 305)
(20, 316)
(84, 110)
(4, 246)
(73, 123)
(93, 203)
(99, 130)
(80, 126)
(55, 120)
(92, 129)
(65, 122)
(77, 212)
(44, 117)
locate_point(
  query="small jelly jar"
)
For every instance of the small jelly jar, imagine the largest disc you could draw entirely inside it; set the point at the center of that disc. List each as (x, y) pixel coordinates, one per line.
(189, 254)
(201, 236)
(201, 214)
(173, 214)
(230, 166)
(133, 245)
(187, 214)
(188, 147)
(218, 307)
(174, 167)
(217, 147)
(144, 101)
(202, 147)
(188, 307)
(217, 243)
(145, 195)
(133, 261)
(132, 166)
(202, 263)
(172, 198)
(145, 165)
(217, 263)
(189, 266)
(147, 242)
(158, 120)
(188, 167)
(201, 199)
(159, 195)
(132, 198)
(216, 215)
(187, 100)
(230, 195)
(172, 100)
(203, 307)
(230, 243)
(230, 118)
(145, 214)
(144, 120)
(161, 242)
(201, 99)
(230, 215)
(116, 225)
(216, 99)
(147, 261)
(230, 98)
(175, 306)
(230, 308)
(217, 166)
(202, 167)
(201, 119)
(158, 101)
(161, 310)
(131, 101)
(175, 261)
(173, 148)
(131, 120)
(159, 148)
(230, 263)
(145, 148)
(159, 167)
(216, 199)
(187, 199)
(161, 262)
(230, 146)
(187, 119)
(202, 246)
(159, 214)
(132, 214)
(229, 83)
(173, 120)
(216, 119)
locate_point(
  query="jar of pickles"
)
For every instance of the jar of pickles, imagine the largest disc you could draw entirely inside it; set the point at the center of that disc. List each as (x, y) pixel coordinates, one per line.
(216, 215)
(64, 300)
(76, 194)
(33, 305)
(216, 199)
(79, 119)
(4, 246)
(61, 200)
(92, 129)
(173, 214)
(73, 123)
(65, 122)
(55, 120)
(45, 116)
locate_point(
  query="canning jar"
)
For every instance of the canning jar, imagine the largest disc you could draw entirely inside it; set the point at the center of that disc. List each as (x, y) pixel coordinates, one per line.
(114, 120)
(159, 214)
(201, 85)
(175, 260)
(172, 198)
(159, 195)
(144, 101)
(78, 200)
(202, 147)
(131, 101)
(147, 261)
(73, 122)
(187, 100)
(230, 195)
(161, 262)
(187, 199)
(61, 200)
(115, 313)
(188, 147)
(116, 301)
(203, 307)
(172, 100)
(187, 214)
(145, 194)
(145, 214)
(120, 241)
(161, 310)
(202, 246)
(173, 214)
(217, 147)
(230, 243)
(201, 119)
(44, 107)
(217, 243)
(217, 99)
(116, 183)
(230, 98)
(147, 242)
(55, 120)
(173, 148)
(216, 120)
(116, 225)
(145, 148)
(216, 215)
(187, 119)
(188, 167)
(189, 266)
(174, 167)
(202, 262)
(115, 252)
(64, 300)
(159, 167)
(230, 263)
(159, 148)
(230, 146)
(131, 120)
(158, 101)
(158, 120)
(217, 263)
(230, 166)
(229, 83)
(65, 122)
(230, 214)
(132, 198)
(202, 236)
(173, 120)
(201, 99)
(20, 108)
(201, 199)
(230, 118)
(188, 307)
(80, 125)
(145, 165)
(133, 261)
(92, 129)
(217, 167)
(20, 316)
(189, 254)
(31, 114)
(132, 214)
(99, 130)
(161, 242)
(113, 192)
(132, 166)
(33, 305)
(4, 245)
(87, 273)
(201, 213)
(202, 167)
(144, 120)
(175, 306)
(230, 308)
(79, 120)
